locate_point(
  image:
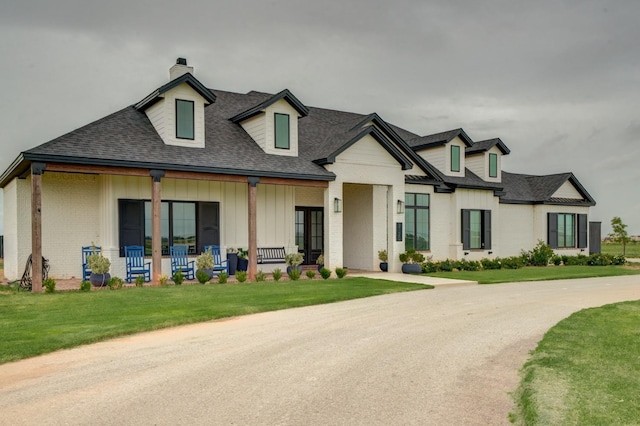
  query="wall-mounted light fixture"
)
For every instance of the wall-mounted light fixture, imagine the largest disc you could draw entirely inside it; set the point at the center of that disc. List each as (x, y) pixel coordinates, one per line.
(400, 206)
(490, 252)
(337, 205)
(466, 253)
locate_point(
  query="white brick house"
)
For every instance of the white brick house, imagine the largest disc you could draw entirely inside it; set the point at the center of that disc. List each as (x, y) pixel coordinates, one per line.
(262, 170)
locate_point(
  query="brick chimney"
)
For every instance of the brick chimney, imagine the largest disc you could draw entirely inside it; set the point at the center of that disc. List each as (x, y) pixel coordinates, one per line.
(179, 68)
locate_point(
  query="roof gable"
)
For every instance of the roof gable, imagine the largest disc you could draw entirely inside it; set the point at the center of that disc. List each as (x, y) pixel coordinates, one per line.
(256, 109)
(529, 189)
(187, 78)
(438, 139)
(484, 146)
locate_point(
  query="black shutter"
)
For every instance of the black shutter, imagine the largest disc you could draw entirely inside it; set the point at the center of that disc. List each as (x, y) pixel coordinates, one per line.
(466, 229)
(131, 213)
(486, 227)
(552, 230)
(582, 231)
(208, 225)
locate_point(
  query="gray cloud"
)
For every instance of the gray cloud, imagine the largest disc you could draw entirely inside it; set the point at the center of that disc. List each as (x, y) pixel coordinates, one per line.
(557, 81)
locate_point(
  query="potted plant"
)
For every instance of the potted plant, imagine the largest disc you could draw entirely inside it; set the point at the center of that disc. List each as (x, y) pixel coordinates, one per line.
(204, 263)
(320, 262)
(243, 260)
(384, 258)
(232, 260)
(99, 266)
(293, 261)
(411, 261)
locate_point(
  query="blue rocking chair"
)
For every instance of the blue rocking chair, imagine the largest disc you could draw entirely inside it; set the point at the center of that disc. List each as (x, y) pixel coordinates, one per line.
(219, 265)
(180, 261)
(134, 256)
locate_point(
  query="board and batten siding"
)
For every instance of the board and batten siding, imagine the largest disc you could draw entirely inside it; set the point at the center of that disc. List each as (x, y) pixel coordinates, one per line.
(567, 190)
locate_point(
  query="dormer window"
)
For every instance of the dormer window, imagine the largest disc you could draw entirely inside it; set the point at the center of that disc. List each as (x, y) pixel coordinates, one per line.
(282, 132)
(455, 158)
(184, 119)
(493, 165)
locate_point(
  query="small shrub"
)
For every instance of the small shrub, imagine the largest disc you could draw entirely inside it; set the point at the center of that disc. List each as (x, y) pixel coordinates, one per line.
(139, 281)
(178, 277)
(383, 256)
(310, 274)
(429, 266)
(579, 260)
(556, 259)
(599, 259)
(341, 272)
(325, 273)
(513, 262)
(489, 264)
(458, 264)
(205, 261)
(222, 278)
(49, 285)
(411, 256)
(618, 260)
(115, 283)
(163, 280)
(241, 276)
(85, 286)
(295, 259)
(541, 254)
(98, 263)
(202, 276)
(472, 265)
(261, 276)
(277, 274)
(445, 266)
(565, 259)
(294, 274)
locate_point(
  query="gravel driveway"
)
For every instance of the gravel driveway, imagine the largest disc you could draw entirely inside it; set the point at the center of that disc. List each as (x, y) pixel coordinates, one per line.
(447, 356)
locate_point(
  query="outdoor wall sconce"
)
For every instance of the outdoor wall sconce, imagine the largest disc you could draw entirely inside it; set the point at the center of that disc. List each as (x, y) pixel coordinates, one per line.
(337, 205)
(466, 253)
(400, 206)
(490, 252)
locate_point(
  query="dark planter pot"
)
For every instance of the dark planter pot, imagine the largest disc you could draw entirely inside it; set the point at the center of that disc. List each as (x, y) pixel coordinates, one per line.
(243, 264)
(232, 261)
(411, 268)
(99, 280)
(320, 267)
(299, 268)
(384, 266)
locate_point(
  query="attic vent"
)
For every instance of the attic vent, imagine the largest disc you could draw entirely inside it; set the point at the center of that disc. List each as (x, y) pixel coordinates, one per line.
(181, 61)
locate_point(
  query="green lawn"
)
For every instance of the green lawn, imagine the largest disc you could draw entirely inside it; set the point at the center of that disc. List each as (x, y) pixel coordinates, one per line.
(34, 324)
(632, 249)
(585, 371)
(531, 273)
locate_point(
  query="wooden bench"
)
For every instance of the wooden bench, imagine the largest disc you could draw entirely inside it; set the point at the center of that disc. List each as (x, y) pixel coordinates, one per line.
(271, 254)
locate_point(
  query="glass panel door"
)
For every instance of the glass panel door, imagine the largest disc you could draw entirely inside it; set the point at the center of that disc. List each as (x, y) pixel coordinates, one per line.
(310, 232)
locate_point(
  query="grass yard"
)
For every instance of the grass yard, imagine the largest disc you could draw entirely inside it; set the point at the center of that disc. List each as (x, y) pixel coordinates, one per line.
(531, 273)
(632, 249)
(584, 371)
(34, 324)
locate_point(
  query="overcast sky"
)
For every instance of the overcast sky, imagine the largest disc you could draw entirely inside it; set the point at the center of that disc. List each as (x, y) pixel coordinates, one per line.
(557, 81)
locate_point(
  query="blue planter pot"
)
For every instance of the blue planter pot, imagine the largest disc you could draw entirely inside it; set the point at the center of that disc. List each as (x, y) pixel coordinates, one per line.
(232, 261)
(411, 268)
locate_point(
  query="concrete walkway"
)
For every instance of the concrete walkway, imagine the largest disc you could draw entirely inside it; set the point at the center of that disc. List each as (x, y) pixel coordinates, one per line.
(410, 278)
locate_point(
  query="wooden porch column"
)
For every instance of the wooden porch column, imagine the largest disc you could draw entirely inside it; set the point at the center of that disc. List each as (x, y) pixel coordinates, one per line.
(156, 230)
(37, 169)
(253, 227)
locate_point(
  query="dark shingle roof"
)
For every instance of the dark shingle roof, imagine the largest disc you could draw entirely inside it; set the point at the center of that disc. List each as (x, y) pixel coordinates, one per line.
(530, 189)
(437, 139)
(484, 146)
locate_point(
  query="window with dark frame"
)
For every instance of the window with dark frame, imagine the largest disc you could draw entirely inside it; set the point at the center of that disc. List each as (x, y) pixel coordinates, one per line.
(282, 131)
(416, 219)
(476, 229)
(455, 158)
(184, 119)
(493, 165)
(189, 223)
(567, 230)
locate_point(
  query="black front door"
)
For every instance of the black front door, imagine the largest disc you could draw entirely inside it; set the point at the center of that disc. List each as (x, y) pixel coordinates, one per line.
(310, 232)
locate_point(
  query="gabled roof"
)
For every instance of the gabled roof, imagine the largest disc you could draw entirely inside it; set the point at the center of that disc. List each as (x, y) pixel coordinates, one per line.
(530, 189)
(438, 139)
(256, 109)
(378, 136)
(188, 78)
(484, 146)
